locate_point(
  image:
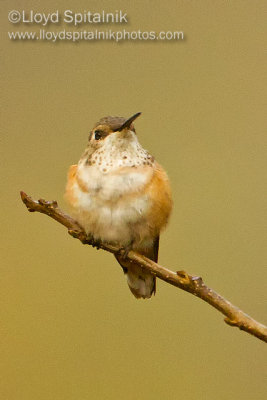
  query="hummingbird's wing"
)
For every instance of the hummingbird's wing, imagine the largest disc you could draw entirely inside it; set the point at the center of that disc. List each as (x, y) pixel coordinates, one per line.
(69, 192)
(154, 256)
(141, 283)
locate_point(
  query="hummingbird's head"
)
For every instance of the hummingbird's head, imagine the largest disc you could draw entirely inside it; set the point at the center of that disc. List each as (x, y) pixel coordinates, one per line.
(113, 142)
(117, 127)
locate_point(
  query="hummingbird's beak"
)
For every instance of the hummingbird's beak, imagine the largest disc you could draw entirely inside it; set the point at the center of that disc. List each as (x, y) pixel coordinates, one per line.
(127, 123)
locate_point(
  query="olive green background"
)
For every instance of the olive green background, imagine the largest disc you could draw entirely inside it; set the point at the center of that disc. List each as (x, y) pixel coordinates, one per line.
(70, 328)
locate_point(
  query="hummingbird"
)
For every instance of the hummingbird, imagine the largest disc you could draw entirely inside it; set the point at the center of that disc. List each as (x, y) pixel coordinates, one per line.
(119, 194)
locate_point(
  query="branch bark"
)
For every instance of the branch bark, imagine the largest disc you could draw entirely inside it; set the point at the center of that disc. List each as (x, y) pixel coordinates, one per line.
(181, 279)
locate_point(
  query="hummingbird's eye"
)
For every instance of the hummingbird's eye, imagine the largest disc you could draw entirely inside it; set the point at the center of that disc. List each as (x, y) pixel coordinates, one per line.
(98, 134)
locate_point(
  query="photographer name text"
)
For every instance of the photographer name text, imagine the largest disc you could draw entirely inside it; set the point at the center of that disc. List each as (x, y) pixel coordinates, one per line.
(68, 16)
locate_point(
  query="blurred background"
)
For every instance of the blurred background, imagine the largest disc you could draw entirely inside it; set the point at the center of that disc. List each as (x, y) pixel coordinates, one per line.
(70, 327)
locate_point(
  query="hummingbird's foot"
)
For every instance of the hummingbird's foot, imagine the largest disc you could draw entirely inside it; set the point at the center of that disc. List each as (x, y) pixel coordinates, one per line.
(93, 242)
(125, 250)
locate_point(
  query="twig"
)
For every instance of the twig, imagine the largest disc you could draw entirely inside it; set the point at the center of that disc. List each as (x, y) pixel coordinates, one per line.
(192, 284)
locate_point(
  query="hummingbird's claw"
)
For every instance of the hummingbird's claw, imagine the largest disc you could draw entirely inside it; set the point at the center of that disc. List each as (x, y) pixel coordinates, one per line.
(93, 242)
(125, 250)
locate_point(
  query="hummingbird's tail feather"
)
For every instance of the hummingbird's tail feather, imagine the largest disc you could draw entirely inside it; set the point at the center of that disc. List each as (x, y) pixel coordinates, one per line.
(141, 283)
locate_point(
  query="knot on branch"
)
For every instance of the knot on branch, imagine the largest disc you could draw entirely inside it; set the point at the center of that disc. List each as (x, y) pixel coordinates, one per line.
(48, 204)
(77, 234)
(192, 281)
(197, 281)
(184, 277)
(231, 322)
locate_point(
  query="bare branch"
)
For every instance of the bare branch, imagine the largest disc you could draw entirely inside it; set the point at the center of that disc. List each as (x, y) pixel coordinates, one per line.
(181, 279)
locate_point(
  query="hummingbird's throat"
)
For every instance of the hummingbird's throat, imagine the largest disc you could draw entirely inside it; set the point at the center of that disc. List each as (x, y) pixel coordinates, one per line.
(119, 151)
